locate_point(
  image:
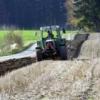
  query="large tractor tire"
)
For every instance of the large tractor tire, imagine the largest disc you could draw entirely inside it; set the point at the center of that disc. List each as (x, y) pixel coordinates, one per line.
(39, 55)
(63, 52)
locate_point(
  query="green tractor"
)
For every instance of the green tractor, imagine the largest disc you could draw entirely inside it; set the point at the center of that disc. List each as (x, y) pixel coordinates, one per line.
(51, 46)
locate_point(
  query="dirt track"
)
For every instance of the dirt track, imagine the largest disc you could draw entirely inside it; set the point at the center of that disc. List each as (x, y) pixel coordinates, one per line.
(30, 52)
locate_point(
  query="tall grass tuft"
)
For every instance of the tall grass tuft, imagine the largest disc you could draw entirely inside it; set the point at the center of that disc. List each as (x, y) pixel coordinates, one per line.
(13, 37)
(11, 43)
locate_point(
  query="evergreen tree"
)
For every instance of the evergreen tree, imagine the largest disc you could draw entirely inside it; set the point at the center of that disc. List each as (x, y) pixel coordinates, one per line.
(87, 12)
(32, 13)
(3, 14)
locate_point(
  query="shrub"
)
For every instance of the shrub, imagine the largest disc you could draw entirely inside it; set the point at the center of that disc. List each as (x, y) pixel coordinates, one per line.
(13, 37)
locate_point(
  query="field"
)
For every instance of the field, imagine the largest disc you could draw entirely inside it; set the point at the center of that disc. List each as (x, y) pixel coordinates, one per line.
(28, 37)
(53, 80)
(77, 79)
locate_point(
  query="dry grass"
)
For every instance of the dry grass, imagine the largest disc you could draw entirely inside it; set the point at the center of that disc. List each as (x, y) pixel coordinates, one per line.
(51, 80)
(90, 49)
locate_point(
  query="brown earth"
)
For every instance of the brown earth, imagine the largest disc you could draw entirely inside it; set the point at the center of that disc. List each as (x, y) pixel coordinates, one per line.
(13, 64)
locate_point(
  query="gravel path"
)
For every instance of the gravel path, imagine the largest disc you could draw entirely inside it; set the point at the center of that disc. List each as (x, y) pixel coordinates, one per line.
(30, 52)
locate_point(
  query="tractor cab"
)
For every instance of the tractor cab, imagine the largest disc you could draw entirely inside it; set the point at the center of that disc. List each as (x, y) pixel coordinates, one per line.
(48, 33)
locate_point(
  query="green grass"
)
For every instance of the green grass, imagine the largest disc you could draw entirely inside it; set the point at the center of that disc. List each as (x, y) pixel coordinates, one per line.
(28, 36)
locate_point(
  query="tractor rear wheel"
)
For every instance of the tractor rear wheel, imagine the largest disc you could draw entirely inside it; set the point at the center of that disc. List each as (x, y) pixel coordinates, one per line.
(63, 53)
(39, 55)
